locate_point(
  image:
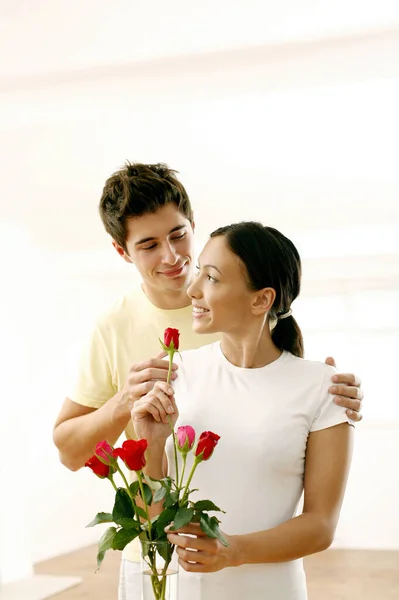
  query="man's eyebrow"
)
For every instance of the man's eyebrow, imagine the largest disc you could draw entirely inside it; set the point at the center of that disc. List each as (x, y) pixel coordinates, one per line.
(151, 239)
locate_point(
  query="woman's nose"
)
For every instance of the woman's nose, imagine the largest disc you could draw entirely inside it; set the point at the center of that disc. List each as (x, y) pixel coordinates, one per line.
(194, 291)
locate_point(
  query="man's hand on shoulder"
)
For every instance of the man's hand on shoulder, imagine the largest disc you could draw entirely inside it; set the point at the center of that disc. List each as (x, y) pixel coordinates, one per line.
(348, 393)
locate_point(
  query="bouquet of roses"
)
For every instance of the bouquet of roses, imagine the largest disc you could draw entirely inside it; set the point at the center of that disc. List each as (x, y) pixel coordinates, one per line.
(130, 515)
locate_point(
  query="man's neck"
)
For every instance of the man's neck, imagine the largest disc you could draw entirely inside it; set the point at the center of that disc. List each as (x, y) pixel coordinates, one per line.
(167, 300)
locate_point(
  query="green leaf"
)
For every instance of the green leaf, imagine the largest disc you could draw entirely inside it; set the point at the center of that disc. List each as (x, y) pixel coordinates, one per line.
(170, 499)
(134, 488)
(101, 517)
(154, 484)
(123, 537)
(160, 494)
(140, 512)
(165, 349)
(206, 505)
(164, 519)
(144, 548)
(196, 518)
(165, 550)
(105, 544)
(210, 526)
(147, 494)
(100, 558)
(183, 517)
(204, 522)
(129, 524)
(166, 482)
(123, 507)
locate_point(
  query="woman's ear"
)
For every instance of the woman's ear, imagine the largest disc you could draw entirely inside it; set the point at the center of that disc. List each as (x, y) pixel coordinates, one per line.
(263, 301)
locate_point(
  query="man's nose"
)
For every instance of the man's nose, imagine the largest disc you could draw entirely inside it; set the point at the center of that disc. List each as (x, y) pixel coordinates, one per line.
(169, 254)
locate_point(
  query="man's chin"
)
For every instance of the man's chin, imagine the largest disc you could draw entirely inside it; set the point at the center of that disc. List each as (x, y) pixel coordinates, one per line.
(178, 285)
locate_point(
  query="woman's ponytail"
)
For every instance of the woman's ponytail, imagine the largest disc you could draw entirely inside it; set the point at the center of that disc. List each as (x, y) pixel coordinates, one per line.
(288, 336)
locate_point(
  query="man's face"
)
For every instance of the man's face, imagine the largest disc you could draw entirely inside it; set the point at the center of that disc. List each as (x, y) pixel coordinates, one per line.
(161, 245)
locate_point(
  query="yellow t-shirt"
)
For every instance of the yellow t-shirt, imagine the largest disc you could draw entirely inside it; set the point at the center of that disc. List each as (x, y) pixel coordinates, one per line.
(125, 335)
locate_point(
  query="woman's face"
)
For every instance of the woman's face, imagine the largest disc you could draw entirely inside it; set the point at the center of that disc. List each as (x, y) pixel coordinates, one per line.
(221, 299)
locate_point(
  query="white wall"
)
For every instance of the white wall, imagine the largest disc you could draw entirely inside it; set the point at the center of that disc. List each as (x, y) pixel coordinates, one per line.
(302, 138)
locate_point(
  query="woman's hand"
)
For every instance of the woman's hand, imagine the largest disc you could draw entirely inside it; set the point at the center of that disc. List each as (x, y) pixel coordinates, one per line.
(150, 414)
(202, 554)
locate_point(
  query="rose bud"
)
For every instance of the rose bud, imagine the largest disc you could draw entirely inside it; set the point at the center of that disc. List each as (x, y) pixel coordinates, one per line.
(171, 336)
(104, 452)
(132, 454)
(99, 468)
(185, 436)
(206, 445)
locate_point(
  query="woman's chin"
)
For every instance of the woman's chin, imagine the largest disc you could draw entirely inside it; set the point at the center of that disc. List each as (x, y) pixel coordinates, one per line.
(200, 327)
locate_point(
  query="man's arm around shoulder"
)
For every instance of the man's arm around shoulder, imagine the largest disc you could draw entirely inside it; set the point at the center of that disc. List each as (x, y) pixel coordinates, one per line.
(79, 428)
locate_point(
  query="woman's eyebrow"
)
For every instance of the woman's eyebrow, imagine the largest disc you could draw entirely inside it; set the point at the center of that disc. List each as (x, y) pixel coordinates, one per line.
(213, 267)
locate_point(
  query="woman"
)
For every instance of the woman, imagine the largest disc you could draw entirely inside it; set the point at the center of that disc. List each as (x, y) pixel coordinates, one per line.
(281, 434)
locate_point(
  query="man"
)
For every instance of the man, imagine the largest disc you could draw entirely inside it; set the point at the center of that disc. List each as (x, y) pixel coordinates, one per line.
(147, 213)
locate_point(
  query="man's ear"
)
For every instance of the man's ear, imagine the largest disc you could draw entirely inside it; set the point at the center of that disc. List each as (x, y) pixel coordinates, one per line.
(121, 252)
(263, 301)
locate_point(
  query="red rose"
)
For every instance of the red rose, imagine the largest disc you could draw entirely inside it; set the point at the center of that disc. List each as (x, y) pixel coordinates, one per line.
(171, 335)
(206, 445)
(98, 467)
(104, 452)
(132, 454)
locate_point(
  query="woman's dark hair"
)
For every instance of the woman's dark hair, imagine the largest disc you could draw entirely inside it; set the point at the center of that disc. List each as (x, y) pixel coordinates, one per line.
(270, 260)
(137, 189)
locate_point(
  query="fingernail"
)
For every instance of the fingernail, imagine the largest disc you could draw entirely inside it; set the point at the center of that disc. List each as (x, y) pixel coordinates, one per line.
(174, 375)
(333, 389)
(170, 390)
(337, 400)
(335, 378)
(170, 409)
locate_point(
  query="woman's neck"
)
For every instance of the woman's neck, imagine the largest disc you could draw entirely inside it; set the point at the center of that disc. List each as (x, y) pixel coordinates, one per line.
(250, 350)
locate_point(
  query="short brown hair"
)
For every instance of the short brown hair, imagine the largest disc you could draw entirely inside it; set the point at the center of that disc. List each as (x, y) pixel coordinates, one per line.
(137, 189)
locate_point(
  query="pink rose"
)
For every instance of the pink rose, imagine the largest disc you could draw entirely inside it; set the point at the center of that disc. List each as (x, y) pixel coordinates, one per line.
(104, 452)
(185, 436)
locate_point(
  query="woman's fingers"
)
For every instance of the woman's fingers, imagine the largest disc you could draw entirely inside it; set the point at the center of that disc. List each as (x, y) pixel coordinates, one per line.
(160, 403)
(143, 408)
(165, 396)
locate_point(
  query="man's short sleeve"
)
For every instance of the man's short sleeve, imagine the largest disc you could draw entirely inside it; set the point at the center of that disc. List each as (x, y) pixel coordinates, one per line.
(93, 382)
(328, 413)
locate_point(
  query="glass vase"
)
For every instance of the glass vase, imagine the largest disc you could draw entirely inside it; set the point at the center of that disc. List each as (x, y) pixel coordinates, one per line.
(159, 571)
